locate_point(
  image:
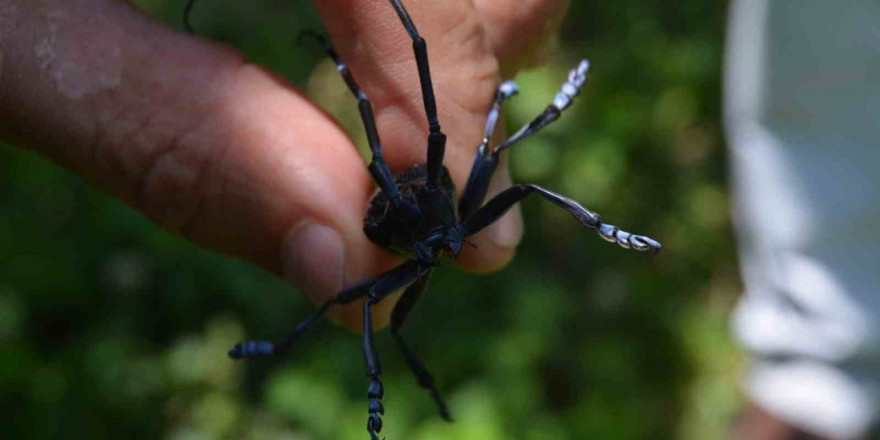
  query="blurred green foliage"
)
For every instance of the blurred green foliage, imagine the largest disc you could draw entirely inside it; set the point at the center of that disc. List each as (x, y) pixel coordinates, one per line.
(111, 328)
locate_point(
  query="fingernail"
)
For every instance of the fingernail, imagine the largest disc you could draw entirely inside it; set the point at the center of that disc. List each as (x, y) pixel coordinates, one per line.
(313, 260)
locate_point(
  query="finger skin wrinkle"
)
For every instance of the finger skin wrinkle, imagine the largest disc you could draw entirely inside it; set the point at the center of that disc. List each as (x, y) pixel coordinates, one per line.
(121, 141)
(165, 140)
(190, 174)
(99, 144)
(169, 185)
(173, 148)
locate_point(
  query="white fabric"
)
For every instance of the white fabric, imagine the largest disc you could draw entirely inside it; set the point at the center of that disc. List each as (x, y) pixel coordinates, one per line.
(802, 112)
(815, 396)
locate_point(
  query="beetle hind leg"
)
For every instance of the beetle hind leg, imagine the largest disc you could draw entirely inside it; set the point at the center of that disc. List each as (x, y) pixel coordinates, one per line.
(496, 207)
(392, 281)
(425, 379)
(401, 310)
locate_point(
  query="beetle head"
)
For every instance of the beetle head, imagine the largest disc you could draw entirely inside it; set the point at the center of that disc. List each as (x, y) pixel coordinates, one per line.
(444, 244)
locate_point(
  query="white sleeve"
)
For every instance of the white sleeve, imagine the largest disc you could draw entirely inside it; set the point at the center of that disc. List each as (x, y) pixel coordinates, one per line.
(802, 113)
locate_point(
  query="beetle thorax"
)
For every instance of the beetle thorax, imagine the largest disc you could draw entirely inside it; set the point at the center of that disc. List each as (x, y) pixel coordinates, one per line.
(422, 224)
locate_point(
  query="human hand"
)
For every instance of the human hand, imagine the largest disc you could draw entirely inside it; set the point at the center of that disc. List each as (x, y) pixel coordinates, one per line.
(228, 155)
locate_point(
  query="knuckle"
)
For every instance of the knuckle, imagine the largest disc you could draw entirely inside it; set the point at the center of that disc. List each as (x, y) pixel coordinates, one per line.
(155, 147)
(170, 188)
(152, 161)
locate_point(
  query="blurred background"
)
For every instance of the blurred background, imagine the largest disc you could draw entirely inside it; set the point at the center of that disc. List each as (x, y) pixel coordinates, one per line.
(112, 328)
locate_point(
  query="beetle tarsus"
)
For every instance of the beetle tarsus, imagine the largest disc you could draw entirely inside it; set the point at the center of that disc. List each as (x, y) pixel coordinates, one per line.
(376, 391)
(640, 243)
(251, 349)
(577, 78)
(376, 410)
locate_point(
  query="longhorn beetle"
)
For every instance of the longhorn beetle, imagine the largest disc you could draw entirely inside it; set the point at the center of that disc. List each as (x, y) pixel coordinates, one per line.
(414, 214)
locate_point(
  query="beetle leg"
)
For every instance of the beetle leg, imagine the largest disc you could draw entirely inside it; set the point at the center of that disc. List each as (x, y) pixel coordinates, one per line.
(436, 137)
(186, 13)
(393, 281)
(496, 207)
(403, 307)
(378, 167)
(484, 162)
(351, 293)
(577, 78)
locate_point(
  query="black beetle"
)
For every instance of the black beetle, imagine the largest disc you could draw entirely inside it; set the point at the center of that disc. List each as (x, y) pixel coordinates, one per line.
(414, 214)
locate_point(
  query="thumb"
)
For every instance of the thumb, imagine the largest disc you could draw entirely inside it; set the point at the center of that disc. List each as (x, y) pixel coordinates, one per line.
(206, 145)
